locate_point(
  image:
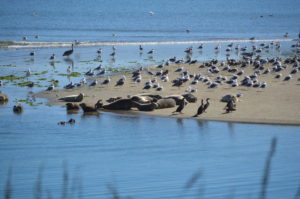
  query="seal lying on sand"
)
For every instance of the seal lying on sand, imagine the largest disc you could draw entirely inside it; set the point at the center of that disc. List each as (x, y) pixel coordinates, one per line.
(190, 98)
(88, 108)
(145, 107)
(166, 103)
(177, 98)
(121, 104)
(113, 99)
(72, 98)
(228, 98)
(126, 104)
(145, 98)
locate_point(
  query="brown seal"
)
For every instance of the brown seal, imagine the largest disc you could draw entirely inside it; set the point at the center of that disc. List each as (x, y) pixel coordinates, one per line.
(18, 108)
(72, 106)
(3, 99)
(88, 108)
(121, 104)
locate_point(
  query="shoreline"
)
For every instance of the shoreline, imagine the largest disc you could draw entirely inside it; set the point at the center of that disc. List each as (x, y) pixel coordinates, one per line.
(49, 44)
(276, 104)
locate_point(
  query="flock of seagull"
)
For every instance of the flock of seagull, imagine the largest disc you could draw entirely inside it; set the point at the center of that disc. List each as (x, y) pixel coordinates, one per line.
(250, 57)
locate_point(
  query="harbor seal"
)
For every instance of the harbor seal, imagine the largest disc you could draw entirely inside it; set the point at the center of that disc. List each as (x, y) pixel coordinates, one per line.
(190, 98)
(145, 107)
(72, 106)
(3, 99)
(87, 107)
(121, 104)
(177, 98)
(165, 103)
(18, 108)
(73, 98)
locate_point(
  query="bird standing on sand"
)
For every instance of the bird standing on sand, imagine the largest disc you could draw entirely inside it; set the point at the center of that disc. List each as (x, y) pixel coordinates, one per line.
(50, 88)
(200, 109)
(206, 105)
(106, 81)
(180, 107)
(230, 106)
(68, 52)
(120, 82)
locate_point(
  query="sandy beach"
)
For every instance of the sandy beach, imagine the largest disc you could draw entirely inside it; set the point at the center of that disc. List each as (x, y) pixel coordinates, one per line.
(278, 103)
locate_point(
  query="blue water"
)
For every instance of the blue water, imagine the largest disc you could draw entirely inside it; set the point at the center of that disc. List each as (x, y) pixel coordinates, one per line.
(143, 157)
(139, 156)
(97, 20)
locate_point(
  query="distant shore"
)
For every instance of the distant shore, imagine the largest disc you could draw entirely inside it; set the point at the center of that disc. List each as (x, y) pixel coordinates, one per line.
(46, 44)
(278, 103)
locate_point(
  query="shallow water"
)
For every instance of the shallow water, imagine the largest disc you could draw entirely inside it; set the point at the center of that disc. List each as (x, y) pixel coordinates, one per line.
(136, 155)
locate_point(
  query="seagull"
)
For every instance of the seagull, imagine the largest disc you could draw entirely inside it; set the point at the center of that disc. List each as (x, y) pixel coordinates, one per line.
(99, 51)
(28, 72)
(121, 81)
(50, 88)
(52, 57)
(83, 81)
(151, 51)
(287, 78)
(106, 81)
(90, 73)
(69, 69)
(94, 83)
(113, 54)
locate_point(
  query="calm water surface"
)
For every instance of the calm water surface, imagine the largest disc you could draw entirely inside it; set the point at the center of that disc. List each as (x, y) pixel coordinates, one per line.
(139, 156)
(143, 157)
(97, 20)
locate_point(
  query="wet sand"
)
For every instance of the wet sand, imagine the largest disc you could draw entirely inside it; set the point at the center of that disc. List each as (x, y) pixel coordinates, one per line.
(278, 103)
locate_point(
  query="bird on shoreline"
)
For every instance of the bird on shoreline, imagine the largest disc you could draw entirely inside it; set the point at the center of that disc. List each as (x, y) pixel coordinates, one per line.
(69, 52)
(50, 88)
(200, 109)
(121, 81)
(106, 81)
(180, 107)
(206, 105)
